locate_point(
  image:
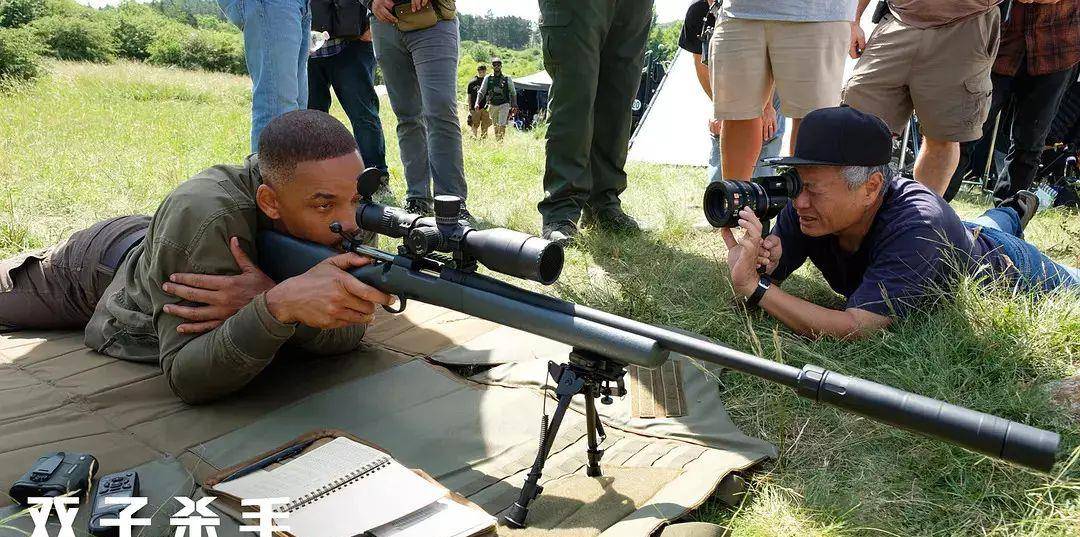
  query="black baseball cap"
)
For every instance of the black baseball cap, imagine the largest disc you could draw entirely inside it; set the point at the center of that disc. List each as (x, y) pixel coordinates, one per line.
(840, 136)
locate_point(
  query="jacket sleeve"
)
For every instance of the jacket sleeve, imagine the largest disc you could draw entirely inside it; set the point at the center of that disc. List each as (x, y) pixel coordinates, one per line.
(328, 342)
(203, 367)
(513, 92)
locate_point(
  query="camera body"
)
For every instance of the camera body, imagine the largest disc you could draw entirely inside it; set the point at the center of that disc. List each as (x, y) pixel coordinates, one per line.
(766, 196)
(56, 474)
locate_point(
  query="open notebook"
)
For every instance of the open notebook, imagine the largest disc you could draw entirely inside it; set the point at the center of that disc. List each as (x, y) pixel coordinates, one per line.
(344, 488)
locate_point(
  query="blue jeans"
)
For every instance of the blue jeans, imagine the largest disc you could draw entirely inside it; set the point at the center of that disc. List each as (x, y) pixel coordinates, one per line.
(276, 37)
(1002, 226)
(420, 69)
(351, 72)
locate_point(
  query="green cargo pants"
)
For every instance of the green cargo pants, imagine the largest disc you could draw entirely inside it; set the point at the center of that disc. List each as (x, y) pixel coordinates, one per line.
(593, 50)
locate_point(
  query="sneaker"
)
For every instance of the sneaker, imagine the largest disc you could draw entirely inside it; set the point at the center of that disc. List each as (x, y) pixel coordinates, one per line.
(1025, 203)
(1047, 195)
(562, 233)
(419, 206)
(611, 219)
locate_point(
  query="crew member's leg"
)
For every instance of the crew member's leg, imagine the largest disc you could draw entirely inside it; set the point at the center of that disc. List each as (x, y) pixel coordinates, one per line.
(741, 77)
(573, 32)
(276, 36)
(974, 154)
(807, 60)
(58, 287)
(435, 55)
(621, 58)
(320, 76)
(501, 113)
(403, 89)
(485, 123)
(951, 92)
(354, 84)
(1037, 101)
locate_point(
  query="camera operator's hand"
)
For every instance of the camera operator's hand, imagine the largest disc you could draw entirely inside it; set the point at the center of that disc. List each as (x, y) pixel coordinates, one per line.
(384, 10)
(326, 296)
(744, 254)
(219, 297)
(858, 40)
(771, 251)
(417, 5)
(715, 126)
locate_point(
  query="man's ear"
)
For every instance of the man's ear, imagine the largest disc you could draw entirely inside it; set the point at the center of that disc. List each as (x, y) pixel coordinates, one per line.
(267, 199)
(873, 187)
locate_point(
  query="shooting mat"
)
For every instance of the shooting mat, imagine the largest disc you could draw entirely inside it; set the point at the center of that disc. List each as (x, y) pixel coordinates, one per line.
(404, 392)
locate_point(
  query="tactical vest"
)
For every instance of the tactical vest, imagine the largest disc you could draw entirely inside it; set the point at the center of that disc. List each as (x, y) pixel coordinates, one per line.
(499, 89)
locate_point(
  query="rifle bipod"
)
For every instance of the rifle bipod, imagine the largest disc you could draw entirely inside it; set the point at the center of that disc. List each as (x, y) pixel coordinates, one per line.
(588, 374)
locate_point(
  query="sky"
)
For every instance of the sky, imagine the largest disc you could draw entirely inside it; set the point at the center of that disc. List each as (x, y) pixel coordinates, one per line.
(667, 10)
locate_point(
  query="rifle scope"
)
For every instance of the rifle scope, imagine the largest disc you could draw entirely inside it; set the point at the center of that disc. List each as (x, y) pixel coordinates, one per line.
(503, 250)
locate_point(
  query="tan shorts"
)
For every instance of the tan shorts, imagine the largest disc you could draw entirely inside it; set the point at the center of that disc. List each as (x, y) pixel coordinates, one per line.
(942, 73)
(805, 59)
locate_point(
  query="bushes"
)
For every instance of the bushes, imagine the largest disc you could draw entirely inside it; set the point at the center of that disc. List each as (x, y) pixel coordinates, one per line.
(16, 13)
(199, 49)
(71, 38)
(134, 27)
(19, 56)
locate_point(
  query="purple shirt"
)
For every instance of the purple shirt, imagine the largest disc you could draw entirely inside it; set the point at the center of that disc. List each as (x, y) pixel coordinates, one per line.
(910, 253)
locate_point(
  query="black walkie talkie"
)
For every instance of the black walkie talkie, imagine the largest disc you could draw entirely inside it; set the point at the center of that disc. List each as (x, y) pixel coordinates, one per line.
(880, 11)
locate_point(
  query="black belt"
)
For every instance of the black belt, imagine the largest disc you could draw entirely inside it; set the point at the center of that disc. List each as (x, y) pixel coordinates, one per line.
(116, 251)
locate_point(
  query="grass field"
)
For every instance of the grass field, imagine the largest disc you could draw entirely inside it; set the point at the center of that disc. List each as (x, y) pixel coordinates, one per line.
(93, 141)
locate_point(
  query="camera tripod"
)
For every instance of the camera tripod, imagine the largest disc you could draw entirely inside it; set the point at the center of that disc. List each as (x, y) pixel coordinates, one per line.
(588, 374)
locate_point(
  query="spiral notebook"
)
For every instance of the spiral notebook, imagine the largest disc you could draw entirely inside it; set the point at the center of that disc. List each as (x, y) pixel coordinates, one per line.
(344, 488)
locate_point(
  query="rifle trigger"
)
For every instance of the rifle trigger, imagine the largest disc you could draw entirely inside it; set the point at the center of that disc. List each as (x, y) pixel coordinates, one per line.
(400, 308)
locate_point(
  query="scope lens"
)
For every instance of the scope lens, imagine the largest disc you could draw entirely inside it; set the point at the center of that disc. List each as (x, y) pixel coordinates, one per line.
(516, 254)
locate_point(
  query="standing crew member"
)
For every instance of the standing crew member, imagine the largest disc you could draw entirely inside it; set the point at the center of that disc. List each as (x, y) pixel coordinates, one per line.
(498, 91)
(593, 50)
(478, 116)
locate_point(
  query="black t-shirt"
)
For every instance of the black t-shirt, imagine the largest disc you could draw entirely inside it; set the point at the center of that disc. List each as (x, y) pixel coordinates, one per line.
(473, 88)
(913, 250)
(697, 17)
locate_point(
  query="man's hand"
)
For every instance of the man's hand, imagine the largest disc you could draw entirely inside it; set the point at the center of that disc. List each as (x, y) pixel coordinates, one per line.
(714, 126)
(366, 35)
(417, 5)
(768, 122)
(771, 251)
(220, 296)
(384, 10)
(858, 40)
(745, 253)
(326, 296)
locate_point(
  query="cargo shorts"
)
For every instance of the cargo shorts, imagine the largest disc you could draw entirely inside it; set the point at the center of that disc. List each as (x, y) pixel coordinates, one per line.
(942, 74)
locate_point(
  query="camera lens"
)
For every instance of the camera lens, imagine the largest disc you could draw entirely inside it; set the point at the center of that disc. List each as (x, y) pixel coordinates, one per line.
(766, 196)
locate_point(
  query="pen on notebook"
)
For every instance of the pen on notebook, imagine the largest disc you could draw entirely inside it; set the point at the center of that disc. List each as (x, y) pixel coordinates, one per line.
(276, 457)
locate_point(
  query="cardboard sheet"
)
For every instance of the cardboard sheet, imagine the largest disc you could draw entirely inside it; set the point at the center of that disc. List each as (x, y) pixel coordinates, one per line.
(477, 437)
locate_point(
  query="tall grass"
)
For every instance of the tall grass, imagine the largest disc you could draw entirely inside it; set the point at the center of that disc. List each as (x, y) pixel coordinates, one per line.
(97, 141)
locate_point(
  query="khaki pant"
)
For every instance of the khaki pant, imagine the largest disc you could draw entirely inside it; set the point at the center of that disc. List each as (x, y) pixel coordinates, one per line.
(941, 73)
(58, 287)
(481, 119)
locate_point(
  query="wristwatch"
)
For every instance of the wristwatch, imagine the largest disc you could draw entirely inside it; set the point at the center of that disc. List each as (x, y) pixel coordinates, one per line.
(763, 284)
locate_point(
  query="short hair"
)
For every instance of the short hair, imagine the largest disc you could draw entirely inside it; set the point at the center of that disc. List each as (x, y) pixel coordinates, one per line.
(301, 136)
(856, 176)
(481, 67)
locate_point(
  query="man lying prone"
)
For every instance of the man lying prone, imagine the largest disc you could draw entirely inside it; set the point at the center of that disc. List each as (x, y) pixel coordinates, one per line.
(888, 244)
(180, 288)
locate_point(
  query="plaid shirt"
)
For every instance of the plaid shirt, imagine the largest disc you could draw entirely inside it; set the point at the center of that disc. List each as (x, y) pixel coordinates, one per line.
(331, 47)
(1046, 35)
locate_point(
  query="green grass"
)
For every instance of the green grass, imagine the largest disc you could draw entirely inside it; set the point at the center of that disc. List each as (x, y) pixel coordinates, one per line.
(95, 141)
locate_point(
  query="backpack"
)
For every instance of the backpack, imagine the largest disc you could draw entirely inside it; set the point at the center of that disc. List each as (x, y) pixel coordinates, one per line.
(339, 18)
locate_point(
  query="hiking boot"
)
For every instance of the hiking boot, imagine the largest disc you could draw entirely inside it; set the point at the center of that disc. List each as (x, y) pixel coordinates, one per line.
(419, 206)
(1025, 203)
(465, 215)
(611, 219)
(561, 233)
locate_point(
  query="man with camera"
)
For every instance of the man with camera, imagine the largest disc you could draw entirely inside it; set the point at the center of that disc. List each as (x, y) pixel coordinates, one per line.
(888, 244)
(180, 288)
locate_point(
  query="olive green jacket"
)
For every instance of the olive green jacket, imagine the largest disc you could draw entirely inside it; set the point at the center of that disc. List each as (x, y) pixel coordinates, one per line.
(190, 233)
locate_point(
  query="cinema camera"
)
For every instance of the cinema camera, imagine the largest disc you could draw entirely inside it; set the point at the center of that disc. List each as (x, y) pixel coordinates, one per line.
(766, 196)
(437, 265)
